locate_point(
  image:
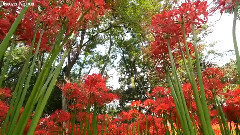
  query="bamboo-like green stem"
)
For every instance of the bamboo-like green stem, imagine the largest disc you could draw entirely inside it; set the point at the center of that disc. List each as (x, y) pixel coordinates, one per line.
(222, 118)
(26, 86)
(81, 122)
(43, 102)
(41, 79)
(87, 118)
(173, 94)
(73, 120)
(103, 124)
(18, 89)
(94, 121)
(205, 128)
(176, 102)
(200, 80)
(235, 13)
(183, 106)
(4, 44)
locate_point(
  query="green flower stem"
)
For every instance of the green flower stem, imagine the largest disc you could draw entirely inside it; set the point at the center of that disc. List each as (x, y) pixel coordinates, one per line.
(200, 80)
(87, 119)
(94, 121)
(184, 62)
(173, 94)
(18, 89)
(205, 128)
(176, 102)
(183, 106)
(26, 86)
(103, 124)
(106, 127)
(235, 13)
(190, 80)
(43, 102)
(222, 118)
(81, 122)
(73, 120)
(39, 83)
(4, 44)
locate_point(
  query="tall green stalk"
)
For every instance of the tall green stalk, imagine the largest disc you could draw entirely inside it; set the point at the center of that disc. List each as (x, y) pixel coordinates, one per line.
(235, 13)
(206, 126)
(43, 102)
(222, 119)
(18, 89)
(200, 80)
(24, 91)
(93, 130)
(179, 94)
(39, 83)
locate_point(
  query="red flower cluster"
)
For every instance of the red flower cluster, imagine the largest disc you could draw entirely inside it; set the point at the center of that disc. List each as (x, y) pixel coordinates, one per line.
(92, 89)
(151, 116)
(72, 91)
(4, 110)
(4, 94)
(232, 105)
(50, 16)
(168, 26)
(52, 123)
(213, 85)
(134, 122)
(224, 5)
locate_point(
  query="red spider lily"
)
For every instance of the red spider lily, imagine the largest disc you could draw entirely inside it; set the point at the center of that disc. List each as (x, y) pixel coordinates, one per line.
(5, 23)
(93, 87)
(50, 16)
(148, 103)
(71, 91)
(168, 26)
(214, 119)
(224, 5)
(5, 93)
(41, 132)
(53, 123)
(135, 122)
(168, 23)
(232, 112)
(232, 105)
(136, 104)
(104, 118)
(212, 82)
(125, 115)
(187, 92)
(164, 105)
(163, 102)
(4, 110)
(194, 13)
(160, 91)
(60, 116)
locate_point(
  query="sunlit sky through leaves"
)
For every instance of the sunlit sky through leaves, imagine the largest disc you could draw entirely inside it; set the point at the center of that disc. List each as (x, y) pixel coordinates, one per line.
(221, 38)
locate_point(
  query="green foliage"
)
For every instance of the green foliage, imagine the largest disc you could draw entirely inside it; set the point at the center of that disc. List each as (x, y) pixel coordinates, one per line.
(18, 55)
(136, 15)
